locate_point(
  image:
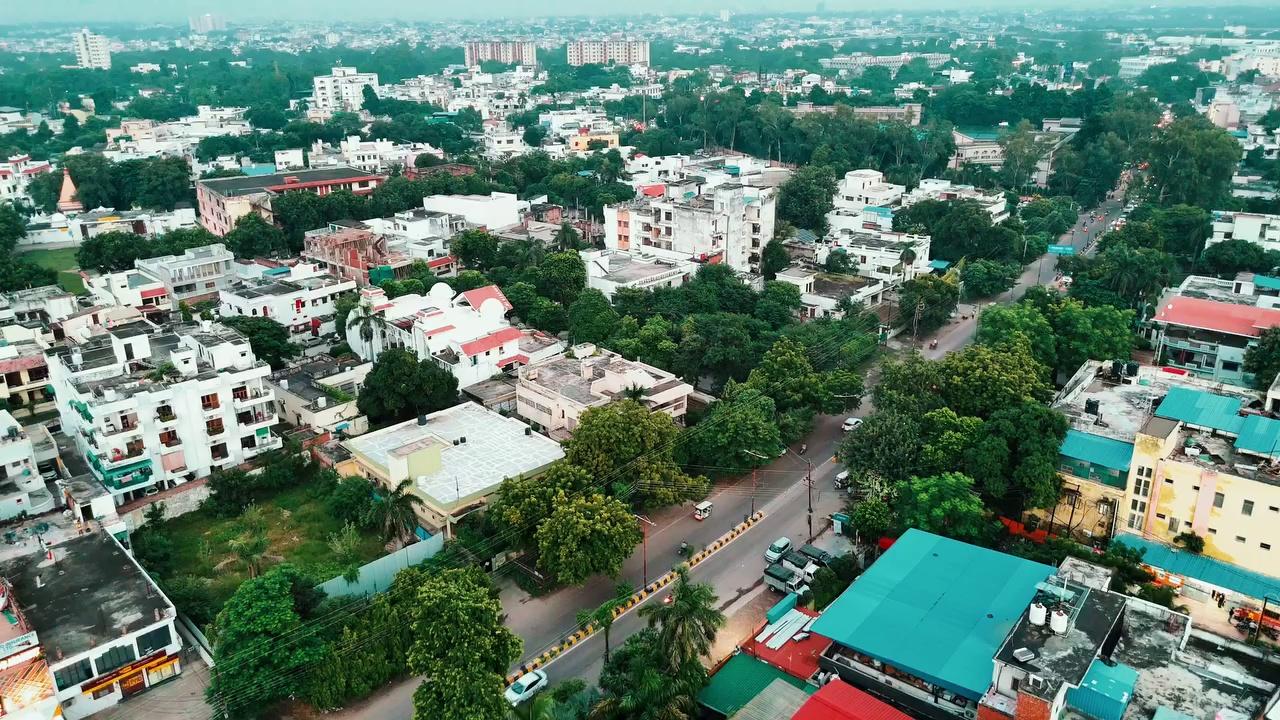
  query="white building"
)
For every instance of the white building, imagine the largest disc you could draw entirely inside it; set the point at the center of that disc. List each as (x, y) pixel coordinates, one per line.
(22, 489)
(862, 188)
(196, 275)
(342, 89)
(93, 52)
(302, 300)
(823, 294)
(493, 211)
(155, 406)
(511, 52)
(129, 288)
(466, 334)
(501, 141)
(104, 628)
(43, 305)
(1257, 228)
(731, 224)
(290, 159)
(609, 270)
(16, 174)
(61, 230)
(879, 254)
(1132, 67)
(947, 191)
(858, 62)
(563, 123)
(321, 395)
(603, 52)
(555, 392)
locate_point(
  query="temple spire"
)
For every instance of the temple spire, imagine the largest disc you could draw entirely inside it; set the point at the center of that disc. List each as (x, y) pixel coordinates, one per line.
(68, 201)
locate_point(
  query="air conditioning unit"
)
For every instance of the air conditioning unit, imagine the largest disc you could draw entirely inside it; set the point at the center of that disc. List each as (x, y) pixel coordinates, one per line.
(1035, 682)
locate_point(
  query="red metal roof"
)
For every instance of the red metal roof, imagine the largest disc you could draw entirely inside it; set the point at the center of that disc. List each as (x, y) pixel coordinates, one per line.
(440, 261)
(838, 700)
(154, 292)
(1244, 320)
(311, 184)
(491, 341)
(796, 658)
(653, 190)
(517, 358)
(475, 297)
(438, 330)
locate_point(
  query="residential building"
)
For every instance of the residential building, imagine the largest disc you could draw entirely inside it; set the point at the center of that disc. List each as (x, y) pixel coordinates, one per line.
(976, 146)
(222, 201)
(1132, 67)
(93, 52)
(341, 90)
(554, 393)
(1209, 337)
(348, 251)
(301, 299)
(24, 373)
(566, 122)
(584, 141)
(206, 23)
(891, 257)
(730, 224)
(501, 141)
(157, 405)
(1257, 228)
(456, 458)
(61, 230)
(605, 52)
(105, 630)
(493, 211)
(859, 189)
(16, 174)
(36, 307)
(827, 295)
(321, 395)
(198, 274)
(130, 288)
(860, 61)
(947, 191)
(609, 270)
(466, 334)
(26, 685)
(22, 454)
(508, 52)
(425, 234)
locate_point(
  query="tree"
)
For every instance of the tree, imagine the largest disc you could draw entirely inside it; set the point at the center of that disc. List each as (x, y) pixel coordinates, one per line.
(474, 249)
(111, 251)
(872, 519)
(534, 135)
(163, 183)
(1017, 459)
(258, 637)
(605, 613)
(1262, 360)
(562, 277)
(739, 432)
(359, 315)
(778, 304)
(980, 380)
(640, 684)
(523, 503)
(629, 448)
(926, 303)
(785, 375)
(268, 339)
(1023, 149)
(567, 237)
(806, 197)
(886, 444)
(840, 262)
(461, 647)
(585, 536)
(1083, 333)
(1191, 162)
(944, 505)
(984, 278)
(13, 227)
(591, 318)
(1001, 324)
(254, 237)
(688, 624)
(773, 259)
(266, 118)
(400, 386)
(396, 511)
(351, 500)
(1229, 257)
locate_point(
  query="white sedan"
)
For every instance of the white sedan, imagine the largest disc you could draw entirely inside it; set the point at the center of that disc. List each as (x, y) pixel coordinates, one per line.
(851, 424)
(529, 684)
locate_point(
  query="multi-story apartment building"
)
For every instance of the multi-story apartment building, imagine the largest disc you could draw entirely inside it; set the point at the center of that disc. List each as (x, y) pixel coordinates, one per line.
(130, 288)
(603, 52)
(825, 294)
(866, 188)
(16, 174)
(1132, 67)
(303, 300)
(224, 200)
(1206, 325)
(947, 191)
(157, 405)
(554, 393)
(206, 23)
(730, 223)
(24, 374)
(196, 275)
(467, 333)
(891, 257)
(610, 270)
(341, 90)
(510, 52)
(101, 627)
(39, 305)
(93, 52)
(22, 455)
(494, 211)
(1257, 228)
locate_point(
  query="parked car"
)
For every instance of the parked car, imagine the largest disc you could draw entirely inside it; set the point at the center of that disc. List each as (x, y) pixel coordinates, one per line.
(777, 549)
(842, 480)
(529, 684)
(851, 424)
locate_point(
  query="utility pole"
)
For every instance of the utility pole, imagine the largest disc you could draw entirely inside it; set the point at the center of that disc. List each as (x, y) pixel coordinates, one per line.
(645, 524)
(755, 454)
(808, 485)
(915, 324)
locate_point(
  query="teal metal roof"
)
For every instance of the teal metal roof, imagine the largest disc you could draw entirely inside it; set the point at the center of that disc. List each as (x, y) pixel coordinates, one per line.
(1105, 691)
(939, 264)
(1201, 567)
(883, 212)
(936, 608)
(1267, 282)
(739, 680)
(1259, 434)
(1197, 407)
(1097, 450)
(1164, 713)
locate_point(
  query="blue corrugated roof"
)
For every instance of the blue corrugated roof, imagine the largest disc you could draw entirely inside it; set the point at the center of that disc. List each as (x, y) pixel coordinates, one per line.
(939, 264)
(1259, 435)
(935, 607)
(1201, 567)
(1105, 692)
(1197, 407)
(1164, 713)
(1267, 282)
(883, 212)
(1098, 450)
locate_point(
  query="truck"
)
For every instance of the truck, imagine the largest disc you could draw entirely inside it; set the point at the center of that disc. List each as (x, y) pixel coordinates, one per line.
(797, 562)
(822, 557)
(782, 580)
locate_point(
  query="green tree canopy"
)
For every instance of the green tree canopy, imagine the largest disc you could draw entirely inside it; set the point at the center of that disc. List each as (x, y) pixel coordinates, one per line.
(268, 339)
(591, 318)
(586, 536)
(944, 505)
(805, 198)
(400, 386)
(1263, 360)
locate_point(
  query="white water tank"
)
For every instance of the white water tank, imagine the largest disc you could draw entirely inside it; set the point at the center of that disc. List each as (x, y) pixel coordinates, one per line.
(1037, 614)
(1058, 622)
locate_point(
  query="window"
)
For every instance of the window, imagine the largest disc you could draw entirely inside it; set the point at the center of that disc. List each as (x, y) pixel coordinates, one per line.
(1168, 481)
(1265, 546)
(1239, 538)
(1273, 508)
(1160, 516)
(1144, 472)
(73, 675)
(154, 640)
(1218, 499)
(114, 658)
(1141, 486)
(1173, 524)
(1213, 531)
(1230, 366)
(1246, 508)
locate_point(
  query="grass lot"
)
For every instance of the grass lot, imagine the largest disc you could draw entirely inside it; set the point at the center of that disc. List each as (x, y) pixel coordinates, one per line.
(64, 261)
(298, 526)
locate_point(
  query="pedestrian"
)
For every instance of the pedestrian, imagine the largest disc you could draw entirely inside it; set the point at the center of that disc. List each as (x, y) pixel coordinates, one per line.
(1221, 600)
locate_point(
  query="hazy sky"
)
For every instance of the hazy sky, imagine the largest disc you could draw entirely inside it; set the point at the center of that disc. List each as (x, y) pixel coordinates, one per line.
(89, 11)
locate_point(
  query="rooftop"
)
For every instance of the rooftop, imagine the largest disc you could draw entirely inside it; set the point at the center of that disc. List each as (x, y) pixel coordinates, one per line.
(495, 448)
(1097, 450)
(232, 186)
(1204, 568)
(91, 593)
(839, 286)
(622, 268)
(740, 680)
(935, 607)
(1224, 317)
(838, 700)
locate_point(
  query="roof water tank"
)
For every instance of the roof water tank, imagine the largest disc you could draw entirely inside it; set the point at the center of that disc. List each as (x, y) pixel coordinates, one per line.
(1037, 614)
(1058, 622)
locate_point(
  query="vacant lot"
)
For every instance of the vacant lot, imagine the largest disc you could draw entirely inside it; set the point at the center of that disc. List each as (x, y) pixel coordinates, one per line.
(64, 261)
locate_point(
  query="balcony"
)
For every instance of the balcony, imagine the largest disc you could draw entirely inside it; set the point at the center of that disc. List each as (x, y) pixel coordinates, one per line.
(210, 408)
(165, 416)
(118, 458)
(128, 425)
(121, 475)
(244, 400)
(271, 443)
(215, 430)
(249, 420)
(171, 442)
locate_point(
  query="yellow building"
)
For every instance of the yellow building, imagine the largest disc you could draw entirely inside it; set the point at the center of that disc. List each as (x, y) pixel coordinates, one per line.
(1094, 470)
(591, 141)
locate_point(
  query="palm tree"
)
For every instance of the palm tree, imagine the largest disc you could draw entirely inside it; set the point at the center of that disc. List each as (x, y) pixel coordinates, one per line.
(366, 319)
(908, 257)
(542, 707)
(688, 624)
(603, 615)
(633, 392)
(250, 550)
(397, 511)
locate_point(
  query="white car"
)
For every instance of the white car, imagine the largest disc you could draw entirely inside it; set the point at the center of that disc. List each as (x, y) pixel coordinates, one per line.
(851, 424)
(777, 549)
(529, 684)
(842, 480)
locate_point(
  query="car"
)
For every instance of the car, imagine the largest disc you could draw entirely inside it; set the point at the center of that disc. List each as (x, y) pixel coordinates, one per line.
(851, 424)
(50, 475)
(842, 480)
(529, 684)
(777, 549)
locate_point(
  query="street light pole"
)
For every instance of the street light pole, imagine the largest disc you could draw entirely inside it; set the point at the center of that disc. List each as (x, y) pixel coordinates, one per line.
(645, 523)
(808, 484)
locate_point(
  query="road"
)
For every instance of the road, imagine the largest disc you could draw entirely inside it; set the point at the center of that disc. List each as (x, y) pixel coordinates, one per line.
(735, 571)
